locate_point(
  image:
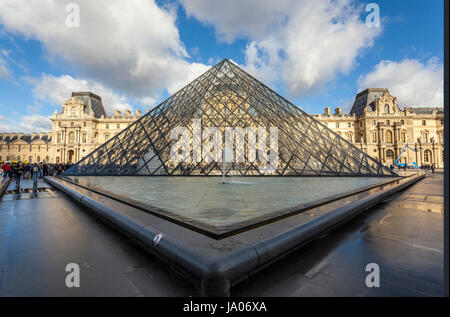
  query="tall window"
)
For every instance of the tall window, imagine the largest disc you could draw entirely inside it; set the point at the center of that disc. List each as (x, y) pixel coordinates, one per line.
(71, 137)
(107, 126)
(424, 122)
(118, 126)
(388, 122)
(349, 125)
(373, 122)
(403, 136)
(84, 124)
(427, 156)
(72, 124)
(84, 138)
(374, 137)
(388, 136)
(389, 154)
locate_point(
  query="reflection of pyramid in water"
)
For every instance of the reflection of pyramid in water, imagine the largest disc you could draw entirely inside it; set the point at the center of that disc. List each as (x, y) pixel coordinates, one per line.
(226, 96)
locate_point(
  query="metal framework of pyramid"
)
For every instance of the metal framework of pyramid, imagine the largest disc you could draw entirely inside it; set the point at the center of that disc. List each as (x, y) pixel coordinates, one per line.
(227, 96)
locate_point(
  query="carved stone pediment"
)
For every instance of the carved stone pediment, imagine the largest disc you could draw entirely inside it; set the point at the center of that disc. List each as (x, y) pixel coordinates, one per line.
(386, 101)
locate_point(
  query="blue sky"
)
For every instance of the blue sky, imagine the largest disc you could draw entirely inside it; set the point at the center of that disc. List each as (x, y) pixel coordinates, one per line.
(136, 53)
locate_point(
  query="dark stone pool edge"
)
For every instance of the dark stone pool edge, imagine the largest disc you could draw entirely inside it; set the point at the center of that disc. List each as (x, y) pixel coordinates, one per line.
(216, 272)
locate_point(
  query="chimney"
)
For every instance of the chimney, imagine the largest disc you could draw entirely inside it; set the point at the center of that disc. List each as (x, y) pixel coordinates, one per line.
(338, 110)
(117, 113)
(138, 113)
(327, 111)
(128, 113)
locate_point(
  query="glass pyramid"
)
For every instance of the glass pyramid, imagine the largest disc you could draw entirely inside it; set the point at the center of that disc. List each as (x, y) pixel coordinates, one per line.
(226, 108)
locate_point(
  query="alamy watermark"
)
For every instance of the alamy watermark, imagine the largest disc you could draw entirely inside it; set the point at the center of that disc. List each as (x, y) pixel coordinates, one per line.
(73, 278)
(207, 145)
(373, 278)
(73, 15)
(373, 18)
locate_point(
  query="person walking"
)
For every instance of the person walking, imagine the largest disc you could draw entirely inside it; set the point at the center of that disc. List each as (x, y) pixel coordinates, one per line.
(35, 170)
(17, 172)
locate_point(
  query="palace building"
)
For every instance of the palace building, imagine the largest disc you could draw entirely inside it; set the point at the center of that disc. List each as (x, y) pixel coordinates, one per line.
(375, 124)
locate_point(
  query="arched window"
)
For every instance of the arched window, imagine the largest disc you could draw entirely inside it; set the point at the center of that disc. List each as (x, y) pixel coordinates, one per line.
(374, 137)
(388, 136)
(386, 108)
(427, 156)
(71, 137)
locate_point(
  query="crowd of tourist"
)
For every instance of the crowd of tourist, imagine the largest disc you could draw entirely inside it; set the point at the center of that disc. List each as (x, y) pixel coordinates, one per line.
(25, 170)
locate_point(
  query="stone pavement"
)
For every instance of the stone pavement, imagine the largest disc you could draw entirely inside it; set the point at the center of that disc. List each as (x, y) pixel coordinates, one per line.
(40, 236)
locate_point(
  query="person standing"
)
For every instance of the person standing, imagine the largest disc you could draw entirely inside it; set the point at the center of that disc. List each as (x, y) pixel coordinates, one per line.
(35, 170)
(6, 168)
(17, 172)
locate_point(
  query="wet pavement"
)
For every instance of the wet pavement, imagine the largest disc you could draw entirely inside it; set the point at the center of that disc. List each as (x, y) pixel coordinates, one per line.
(39, 236)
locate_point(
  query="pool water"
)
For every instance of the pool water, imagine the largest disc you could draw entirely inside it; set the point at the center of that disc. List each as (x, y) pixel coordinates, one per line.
(207, 204)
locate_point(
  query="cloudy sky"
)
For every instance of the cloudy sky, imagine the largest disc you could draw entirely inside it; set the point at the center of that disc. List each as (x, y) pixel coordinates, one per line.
(135, 53)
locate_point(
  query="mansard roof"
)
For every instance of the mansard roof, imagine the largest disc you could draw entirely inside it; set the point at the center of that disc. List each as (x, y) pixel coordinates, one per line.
(92, 101)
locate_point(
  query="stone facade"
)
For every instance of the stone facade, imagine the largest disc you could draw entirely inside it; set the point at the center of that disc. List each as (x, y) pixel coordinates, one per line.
(375, 124)
(80, 127)
(381, 129)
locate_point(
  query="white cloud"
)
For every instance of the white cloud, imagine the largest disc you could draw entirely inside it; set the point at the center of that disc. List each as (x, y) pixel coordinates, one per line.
(412, 82)
(57, 89)
(130, 46)
(304, 43)
(26, 124)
